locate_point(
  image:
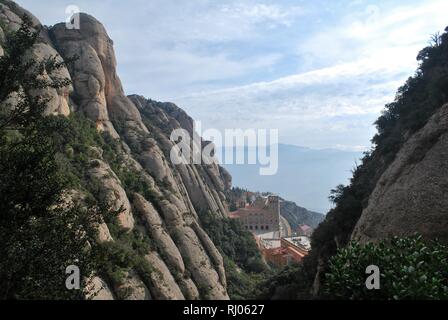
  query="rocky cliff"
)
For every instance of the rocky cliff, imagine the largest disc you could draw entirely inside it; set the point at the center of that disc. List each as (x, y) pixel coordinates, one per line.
(410, 197)
(185, 263)
(400, 187)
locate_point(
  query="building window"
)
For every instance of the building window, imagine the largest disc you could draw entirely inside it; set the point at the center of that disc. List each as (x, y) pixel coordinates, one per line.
(262, 228)
(267, 227)
(251, 228)
(256, 227)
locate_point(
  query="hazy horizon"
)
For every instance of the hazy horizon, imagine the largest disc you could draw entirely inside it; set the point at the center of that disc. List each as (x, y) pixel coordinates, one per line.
(305, 176)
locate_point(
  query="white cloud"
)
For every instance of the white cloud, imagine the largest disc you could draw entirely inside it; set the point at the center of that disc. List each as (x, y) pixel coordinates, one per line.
(355, 88)
(259, 13)
(197, 70)
(373, 30)
(319, 72)
(365, 59)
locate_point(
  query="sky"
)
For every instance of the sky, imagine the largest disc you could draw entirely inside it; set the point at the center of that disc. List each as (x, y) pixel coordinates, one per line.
(319, 71)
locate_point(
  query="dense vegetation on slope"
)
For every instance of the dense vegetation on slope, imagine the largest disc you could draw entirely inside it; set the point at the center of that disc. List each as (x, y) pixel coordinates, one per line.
(244, 265)
(242, 259)
(42, 231)
(76, 140)
(415, 102)
(45, 156)
(42, 157)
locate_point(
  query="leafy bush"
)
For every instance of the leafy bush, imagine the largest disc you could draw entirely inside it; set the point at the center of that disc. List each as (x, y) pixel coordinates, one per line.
(287, 284)
(410, 268)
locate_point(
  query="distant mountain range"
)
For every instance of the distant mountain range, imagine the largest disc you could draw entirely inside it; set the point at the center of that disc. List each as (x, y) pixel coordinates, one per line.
(305, 176)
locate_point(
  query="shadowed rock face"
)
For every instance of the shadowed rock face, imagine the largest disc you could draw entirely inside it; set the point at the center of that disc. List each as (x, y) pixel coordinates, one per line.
(411, 195)
(187, 263)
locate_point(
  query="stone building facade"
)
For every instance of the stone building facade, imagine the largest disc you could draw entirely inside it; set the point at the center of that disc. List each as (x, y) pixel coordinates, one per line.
(262, 215)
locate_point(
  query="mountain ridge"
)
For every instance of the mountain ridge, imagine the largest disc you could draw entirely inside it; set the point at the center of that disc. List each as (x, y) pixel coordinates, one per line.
(159, 201)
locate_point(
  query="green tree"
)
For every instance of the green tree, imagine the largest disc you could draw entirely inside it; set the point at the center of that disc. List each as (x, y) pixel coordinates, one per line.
(41, 233)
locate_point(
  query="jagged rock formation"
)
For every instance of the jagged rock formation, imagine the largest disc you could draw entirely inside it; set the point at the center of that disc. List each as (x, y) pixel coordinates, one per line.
(99, 290)
(10, 17)
(112, 192)
(411, 196)
(186, 264)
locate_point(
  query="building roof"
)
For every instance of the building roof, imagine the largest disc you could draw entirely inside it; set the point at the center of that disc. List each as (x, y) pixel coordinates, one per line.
(302, 242)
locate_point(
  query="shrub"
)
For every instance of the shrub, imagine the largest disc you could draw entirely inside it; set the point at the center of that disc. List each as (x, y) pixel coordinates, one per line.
(410, 268)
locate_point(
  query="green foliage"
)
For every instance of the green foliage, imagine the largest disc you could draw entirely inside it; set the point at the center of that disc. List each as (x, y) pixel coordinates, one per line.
(40, 233)
(289, 283)
(115, 259)
(79, 142)
(410, 269)
(73, 137)
(242, 285)
(244, 265)
(234, 241)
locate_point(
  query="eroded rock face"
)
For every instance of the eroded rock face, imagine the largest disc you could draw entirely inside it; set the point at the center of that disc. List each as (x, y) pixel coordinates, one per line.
(132, 288)
(199, 263)
(98, 290)
(88, 72)
(104, 233)
(205, 185)
(186, 263)
(411, 196)
(155, 227)
(58, 99)
(112, 192)
(11, 14)
(164, 287)
(185, 249)
(189, 289)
